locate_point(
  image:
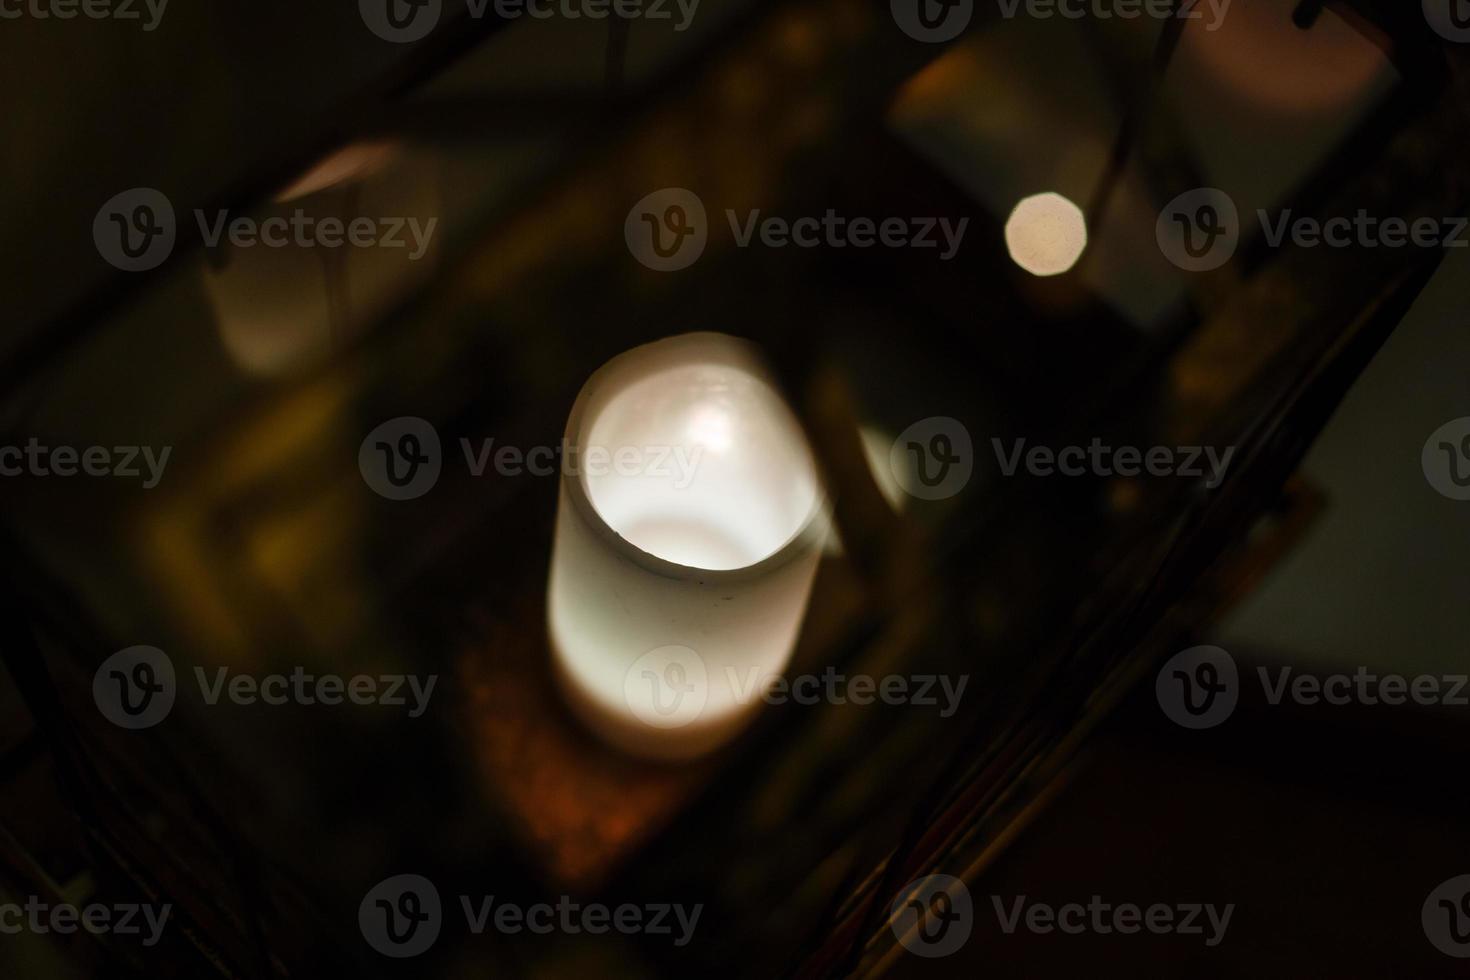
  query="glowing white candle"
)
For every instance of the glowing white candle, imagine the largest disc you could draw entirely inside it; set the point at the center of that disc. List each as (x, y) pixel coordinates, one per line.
(688, 530)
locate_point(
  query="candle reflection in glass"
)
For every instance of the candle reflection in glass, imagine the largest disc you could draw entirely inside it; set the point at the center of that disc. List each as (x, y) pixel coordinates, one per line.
(336, 247)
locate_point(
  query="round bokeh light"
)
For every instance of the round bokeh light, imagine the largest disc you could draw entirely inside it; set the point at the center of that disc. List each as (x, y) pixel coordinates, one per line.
(1046, 234)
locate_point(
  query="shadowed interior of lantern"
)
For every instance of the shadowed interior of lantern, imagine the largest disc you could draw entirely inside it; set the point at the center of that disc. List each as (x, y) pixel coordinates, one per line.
(700, 464)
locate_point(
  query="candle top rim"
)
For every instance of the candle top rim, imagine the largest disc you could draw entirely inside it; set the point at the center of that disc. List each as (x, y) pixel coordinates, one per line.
(689, 350)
